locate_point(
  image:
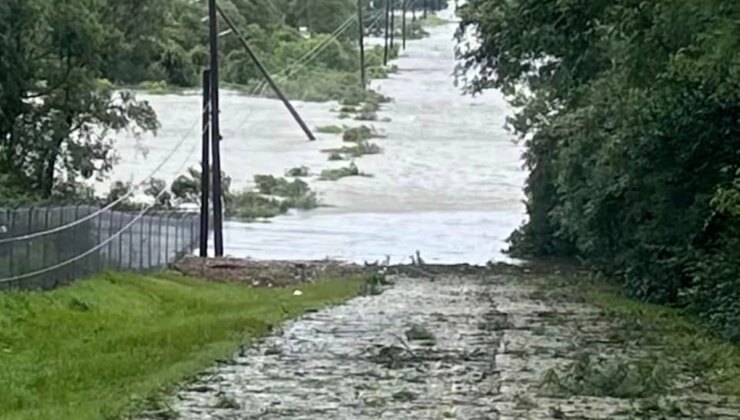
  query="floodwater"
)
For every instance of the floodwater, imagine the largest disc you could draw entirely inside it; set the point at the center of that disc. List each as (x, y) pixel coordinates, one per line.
(449, 183)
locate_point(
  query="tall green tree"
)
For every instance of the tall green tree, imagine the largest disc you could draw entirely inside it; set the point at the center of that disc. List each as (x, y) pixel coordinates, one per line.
(58, 121)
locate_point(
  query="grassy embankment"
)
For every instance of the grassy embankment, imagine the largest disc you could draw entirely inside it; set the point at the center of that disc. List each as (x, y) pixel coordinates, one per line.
(104, 347)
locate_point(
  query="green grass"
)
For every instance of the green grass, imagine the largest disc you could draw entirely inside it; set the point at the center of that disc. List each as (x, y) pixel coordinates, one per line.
(691, 347)
(100, 348)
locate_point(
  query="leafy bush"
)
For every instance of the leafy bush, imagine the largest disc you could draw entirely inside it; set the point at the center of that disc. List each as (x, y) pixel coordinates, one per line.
(250, 205)
(281, 187)
(274, 196)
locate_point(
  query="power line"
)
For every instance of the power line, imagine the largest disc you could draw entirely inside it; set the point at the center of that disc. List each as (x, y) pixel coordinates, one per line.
(314, 52)
(296, 116)
(318, 50)
(111, 205)
(308, 56)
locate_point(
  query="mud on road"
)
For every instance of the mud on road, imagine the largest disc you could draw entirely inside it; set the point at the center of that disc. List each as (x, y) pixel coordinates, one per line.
(469, 346)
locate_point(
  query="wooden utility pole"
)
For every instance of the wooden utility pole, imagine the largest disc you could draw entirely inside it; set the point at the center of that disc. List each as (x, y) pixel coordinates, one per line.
(403, 28)
(205, 166)
(387, 24)
(218, 215)
(393, 22)
(261, 67)
(361, 25)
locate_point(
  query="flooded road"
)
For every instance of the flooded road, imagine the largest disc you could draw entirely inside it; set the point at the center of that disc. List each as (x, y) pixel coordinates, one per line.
(449, 183)
(470, 346)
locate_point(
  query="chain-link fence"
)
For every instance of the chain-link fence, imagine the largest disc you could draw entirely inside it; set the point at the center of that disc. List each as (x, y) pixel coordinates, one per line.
(44, 247)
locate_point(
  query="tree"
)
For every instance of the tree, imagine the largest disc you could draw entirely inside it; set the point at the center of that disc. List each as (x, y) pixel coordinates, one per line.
(630, 114)
(58, 118)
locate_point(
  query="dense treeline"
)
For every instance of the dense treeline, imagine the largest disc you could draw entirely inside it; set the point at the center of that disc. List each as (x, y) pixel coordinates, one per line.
(630, 112)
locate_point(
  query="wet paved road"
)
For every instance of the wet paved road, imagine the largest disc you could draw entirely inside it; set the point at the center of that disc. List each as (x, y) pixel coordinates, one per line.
(494, 338)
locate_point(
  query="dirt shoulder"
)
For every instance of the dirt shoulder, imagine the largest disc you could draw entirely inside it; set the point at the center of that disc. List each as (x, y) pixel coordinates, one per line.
(268, 273)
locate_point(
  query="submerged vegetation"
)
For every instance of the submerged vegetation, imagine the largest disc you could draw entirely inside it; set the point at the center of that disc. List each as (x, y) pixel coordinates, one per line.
(361, 148)
(629, 114)
(359, 134)
(273, 197)
(337, 174)
(330, 129)
(298, 172)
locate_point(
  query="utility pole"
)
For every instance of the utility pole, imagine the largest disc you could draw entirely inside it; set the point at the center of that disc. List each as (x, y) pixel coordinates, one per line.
(267, 76)
(403, 8)
(387, 23)
(205, 166)
(426, 6)
(393, 22)
(413, 10)
(361, 24)
(218, 215)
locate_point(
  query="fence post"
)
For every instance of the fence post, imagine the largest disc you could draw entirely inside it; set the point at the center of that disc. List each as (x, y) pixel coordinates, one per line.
(159, 240)
(140, 222)
(58, 242)
(44, 240)
(167, 240)
(119, 236)
(11, 250)
(149, 243)
(196, 236)
(131, 245)
(29, 228)
(177, 238)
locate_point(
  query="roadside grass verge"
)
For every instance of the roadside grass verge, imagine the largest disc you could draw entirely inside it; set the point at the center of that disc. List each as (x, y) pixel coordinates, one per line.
(103, 347)
(714, 361)
(676, 340)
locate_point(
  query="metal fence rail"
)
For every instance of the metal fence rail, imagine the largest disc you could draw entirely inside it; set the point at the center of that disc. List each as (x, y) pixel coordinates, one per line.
(116, 240)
